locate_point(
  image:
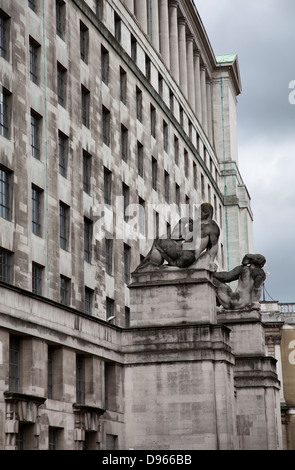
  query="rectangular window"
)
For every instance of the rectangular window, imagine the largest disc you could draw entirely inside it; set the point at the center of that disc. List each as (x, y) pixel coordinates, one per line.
(127, 317)
(80, 378)
(109, 255)
(84, 42)
(5, 266)
(85, 106)
(148, 68)
(126, 263)
(154, 173)
(117, 21)
(107, 187)
(106, 119)
(32, 4)
(133, 49)
(5, 112)
(14, 363)
(53, 438)
(34, 48)
(88, 229)
(65, 285)
(195, 175)
(36, 211)
(62, 154)
(5, 203)
(64, 225)
(177, 195)
(203, 186)
(186, 163)
(3, 35)
(140, 159)
(123, 85)
(60, 18)
(160, 85)
(153, 121)
(138, 104)
(165, 136)
(141, 216)
(124, 143)
(104, 65)
(37, 278)
(166, 186)
(35, 135)
(86, 172)
(125, 201)
(61, 85)
(110, 308)
(156, 224)
(50, 372)
(88, 300)
(176, 150)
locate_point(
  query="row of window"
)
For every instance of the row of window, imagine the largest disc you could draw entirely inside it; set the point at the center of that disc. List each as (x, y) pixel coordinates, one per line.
(54, 389)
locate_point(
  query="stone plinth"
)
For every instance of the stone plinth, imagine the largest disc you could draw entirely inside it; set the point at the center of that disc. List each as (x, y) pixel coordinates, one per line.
(247, 332)
(172, 296)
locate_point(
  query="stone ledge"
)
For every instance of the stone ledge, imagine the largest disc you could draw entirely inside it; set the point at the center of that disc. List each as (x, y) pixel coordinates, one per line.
(238, 316)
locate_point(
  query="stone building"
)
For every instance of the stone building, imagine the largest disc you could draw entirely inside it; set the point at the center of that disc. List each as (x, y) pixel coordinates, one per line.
(106, 107)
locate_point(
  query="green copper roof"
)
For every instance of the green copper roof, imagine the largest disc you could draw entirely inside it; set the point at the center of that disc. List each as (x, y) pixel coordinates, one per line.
(228, 59)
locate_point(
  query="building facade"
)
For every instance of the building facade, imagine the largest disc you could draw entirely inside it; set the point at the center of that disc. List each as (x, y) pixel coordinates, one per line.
(116, 119)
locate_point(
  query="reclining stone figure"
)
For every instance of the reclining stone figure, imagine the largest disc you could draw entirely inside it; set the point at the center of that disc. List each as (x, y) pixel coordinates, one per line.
(250, 277)
(185, 247)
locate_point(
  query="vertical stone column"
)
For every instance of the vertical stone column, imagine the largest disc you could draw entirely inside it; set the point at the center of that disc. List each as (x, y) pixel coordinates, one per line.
(197, 76)
(190, 71)
(164, 32)
(155, 25)
(182, 55)
(209, 109)
(130, 5)
(141, 13)
(173, 35)
(204, 98)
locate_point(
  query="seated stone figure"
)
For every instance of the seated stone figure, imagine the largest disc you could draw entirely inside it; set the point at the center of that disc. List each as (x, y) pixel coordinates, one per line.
(250, 277)
(184, 248)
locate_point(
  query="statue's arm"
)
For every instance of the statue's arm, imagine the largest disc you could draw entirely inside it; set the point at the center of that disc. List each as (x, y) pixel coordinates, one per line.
(232, 275)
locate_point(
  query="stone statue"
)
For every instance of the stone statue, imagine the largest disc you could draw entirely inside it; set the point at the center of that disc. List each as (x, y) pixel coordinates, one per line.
(250, 277)
(183, 248)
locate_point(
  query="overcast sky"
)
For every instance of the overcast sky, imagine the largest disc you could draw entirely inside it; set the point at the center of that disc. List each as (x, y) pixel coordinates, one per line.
(262, 33)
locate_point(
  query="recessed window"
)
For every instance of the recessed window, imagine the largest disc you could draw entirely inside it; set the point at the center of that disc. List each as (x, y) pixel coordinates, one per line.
(125, 190)
(88, 300)
(109, 255)
(35, 135)
(140, 159)
(110, 308)
(117, 21)
(64, 221)
(124, 143)
(138, 104)
(126, 263)
(104, 65)
(85, 106)
(37, 278)
(62, 154)
(133, 49)
(186, 163)
(14, 363)
(36, 211)
(5, 98)
(84, 42)
(165, 136)
(86, 172)
(123, 85)
(153, 120)
(65, 285)
(4, 35)
(106, 123)
(88, 229)
(5, 194)
(61, 85)
(154, 173)
(80, 378)
(107, 187)
(167, 186)
(34, 48)
(5, 266)
(60, 18)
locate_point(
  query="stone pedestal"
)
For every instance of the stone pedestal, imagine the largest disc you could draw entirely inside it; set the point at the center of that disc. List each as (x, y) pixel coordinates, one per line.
(256, 382)
(179, 390)
(172, 296)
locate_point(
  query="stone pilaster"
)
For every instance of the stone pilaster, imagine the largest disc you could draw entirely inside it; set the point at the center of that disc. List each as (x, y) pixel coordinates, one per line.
(155, 37)
(173, 34)
(190, 71)
(182, 55)
(141, 14)
(164, 32)
(130, 5)
(204, 98)
(197, 76)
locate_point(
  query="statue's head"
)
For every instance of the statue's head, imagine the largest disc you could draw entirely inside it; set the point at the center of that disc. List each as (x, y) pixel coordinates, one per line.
(206, 211)
(256, 259)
